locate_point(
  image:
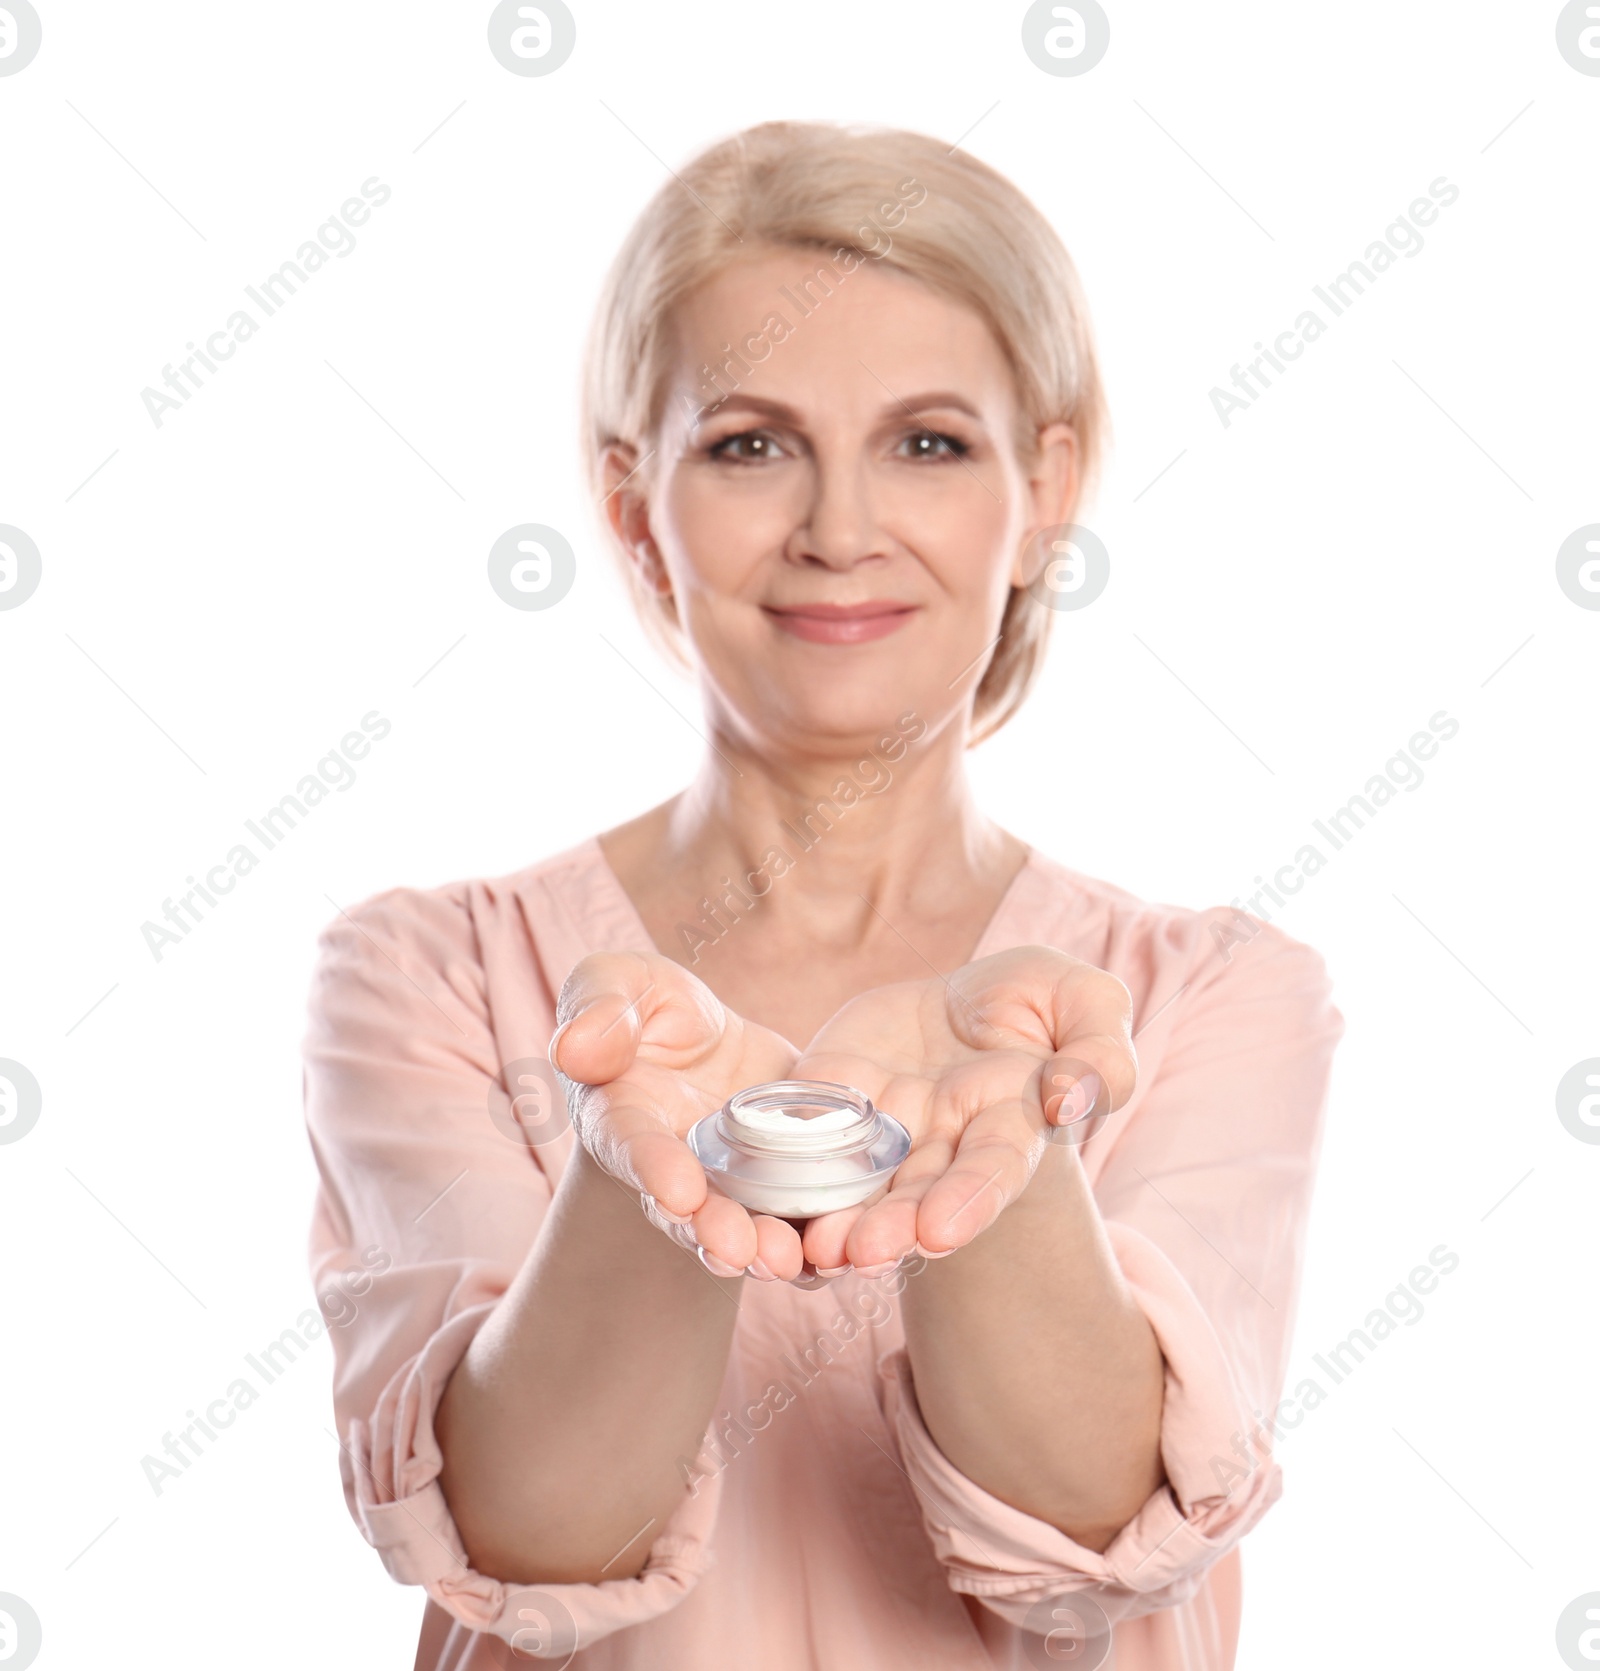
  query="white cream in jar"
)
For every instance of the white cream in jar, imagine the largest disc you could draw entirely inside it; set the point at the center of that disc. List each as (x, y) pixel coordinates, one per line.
(799, 1147)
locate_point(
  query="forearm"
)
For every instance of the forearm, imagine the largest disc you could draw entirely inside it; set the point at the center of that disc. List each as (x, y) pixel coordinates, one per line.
(1036, 1371)
(565, 1424)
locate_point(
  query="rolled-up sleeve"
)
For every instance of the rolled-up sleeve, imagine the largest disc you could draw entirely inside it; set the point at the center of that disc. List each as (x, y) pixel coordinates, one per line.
(425, 1211)
(1204, 1185)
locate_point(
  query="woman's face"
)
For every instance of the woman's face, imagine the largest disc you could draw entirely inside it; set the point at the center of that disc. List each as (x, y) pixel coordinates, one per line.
(837, 499)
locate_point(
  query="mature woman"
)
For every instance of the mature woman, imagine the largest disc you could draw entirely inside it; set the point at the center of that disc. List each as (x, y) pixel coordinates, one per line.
(1012, 1410)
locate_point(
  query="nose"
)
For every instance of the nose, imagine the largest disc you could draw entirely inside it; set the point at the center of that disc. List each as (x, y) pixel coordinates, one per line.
(838, 526)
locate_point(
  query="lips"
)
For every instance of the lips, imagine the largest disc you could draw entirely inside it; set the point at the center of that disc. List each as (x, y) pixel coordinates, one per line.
(842, 623)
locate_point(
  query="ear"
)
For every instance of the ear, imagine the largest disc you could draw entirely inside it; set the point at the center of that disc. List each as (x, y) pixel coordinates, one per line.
(628, 512)
(1054, 480)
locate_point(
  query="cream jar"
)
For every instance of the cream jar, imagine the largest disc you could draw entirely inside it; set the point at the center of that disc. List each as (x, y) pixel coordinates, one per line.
(797, 1148)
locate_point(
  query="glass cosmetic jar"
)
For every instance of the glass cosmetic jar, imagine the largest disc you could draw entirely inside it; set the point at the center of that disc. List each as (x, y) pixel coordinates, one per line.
(799, 1147)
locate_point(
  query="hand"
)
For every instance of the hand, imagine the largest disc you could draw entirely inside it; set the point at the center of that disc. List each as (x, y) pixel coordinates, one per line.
(649, 1050)
(984, 1070)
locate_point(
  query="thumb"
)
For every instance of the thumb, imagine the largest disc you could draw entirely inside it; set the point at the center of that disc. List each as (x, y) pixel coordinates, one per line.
(1083, 1085)
(602, 1012)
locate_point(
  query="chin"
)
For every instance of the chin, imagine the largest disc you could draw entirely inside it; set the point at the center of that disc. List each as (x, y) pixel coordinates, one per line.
(841, 716)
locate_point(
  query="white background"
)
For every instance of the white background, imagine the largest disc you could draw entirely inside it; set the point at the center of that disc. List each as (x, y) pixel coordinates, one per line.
(1288, 603)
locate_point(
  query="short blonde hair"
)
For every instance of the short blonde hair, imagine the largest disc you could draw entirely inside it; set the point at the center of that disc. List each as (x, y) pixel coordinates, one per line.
(811, 185)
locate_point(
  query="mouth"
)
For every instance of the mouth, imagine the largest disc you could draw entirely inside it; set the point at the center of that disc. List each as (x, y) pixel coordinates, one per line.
(842, 623)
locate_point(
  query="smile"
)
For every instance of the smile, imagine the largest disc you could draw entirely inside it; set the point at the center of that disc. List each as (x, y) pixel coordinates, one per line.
(839, 623)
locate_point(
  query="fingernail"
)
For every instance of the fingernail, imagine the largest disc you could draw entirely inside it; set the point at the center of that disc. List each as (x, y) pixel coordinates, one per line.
(928, 1253)
(759, 1271)
(1076, 1101)
(879, 1270)
(650, 1204)
(716, 1266)
(832, 1270)
(812, 1278)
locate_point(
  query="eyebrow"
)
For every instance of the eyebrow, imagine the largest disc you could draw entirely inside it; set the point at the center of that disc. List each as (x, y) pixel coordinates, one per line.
(914, 404)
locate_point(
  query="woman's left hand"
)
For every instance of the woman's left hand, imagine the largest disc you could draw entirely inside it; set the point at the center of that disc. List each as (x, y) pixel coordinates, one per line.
(984, 1069)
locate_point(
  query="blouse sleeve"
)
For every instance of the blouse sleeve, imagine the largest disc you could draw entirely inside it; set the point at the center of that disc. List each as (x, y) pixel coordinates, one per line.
(1204, 1193)
(425, 1211)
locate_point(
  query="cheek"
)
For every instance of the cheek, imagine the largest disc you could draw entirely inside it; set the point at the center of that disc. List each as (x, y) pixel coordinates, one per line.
(966, 540)
(714, 540)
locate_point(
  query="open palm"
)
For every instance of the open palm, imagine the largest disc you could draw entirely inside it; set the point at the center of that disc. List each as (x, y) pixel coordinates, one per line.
(980, 1069)
(649, 1050)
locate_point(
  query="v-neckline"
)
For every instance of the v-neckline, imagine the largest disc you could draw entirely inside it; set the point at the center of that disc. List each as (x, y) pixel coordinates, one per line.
(990, 940)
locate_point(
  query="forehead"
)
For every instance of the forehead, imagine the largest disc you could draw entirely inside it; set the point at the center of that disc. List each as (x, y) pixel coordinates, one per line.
(853, 338)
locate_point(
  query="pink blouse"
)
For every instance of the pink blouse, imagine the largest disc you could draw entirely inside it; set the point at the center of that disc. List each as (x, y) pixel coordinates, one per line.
(823, 1528)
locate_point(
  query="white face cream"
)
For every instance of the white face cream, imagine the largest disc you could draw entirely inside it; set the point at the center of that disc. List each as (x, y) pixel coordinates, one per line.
(791, 1125)
(799, 1147)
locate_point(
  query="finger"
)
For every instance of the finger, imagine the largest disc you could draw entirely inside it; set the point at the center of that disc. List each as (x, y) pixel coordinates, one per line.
(598, 1011)
(1037, 995)
(725, 1231)
(811, 1278)
(1105, 1067)
(992, 1167)
(676, 1230)
(779, 1257)
(640, 1152)
(613, 1004)
(826, 1236)
(1074, 1097)
(885, 1228)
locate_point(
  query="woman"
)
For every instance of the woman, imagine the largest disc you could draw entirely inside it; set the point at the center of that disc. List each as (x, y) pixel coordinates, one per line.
(841, 397)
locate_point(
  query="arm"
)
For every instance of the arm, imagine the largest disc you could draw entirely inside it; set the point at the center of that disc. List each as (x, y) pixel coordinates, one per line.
(1044, 1389)
(1035, 1367)
(569, 1428)
(1201, 1186)
(430, 1227)
(565, 1427)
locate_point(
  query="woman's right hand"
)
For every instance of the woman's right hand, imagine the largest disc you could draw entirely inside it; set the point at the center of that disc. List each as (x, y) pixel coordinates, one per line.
(649, 1050)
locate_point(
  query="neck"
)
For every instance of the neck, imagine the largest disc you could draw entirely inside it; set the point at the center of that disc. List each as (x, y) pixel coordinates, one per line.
(837, 844)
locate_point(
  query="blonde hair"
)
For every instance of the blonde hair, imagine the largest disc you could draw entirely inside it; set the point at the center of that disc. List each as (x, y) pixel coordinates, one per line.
(973, 236)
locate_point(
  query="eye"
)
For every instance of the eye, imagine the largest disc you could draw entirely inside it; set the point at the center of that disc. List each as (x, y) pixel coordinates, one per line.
(749, 446)
(929, 444)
